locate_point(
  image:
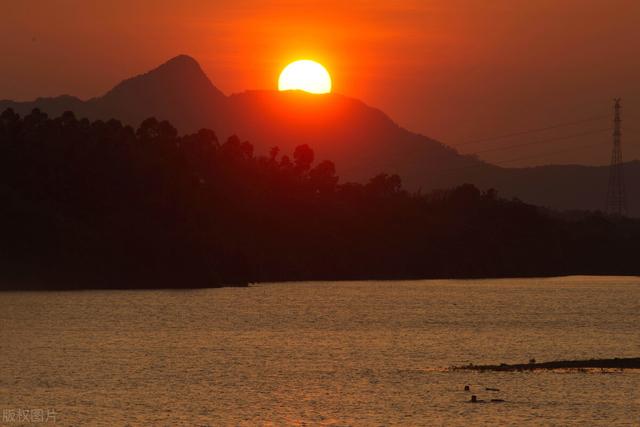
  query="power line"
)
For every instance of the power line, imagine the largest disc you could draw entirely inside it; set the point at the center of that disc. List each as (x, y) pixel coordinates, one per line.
(530, 131)
(521, 158)
(582, 147)
(543, 141)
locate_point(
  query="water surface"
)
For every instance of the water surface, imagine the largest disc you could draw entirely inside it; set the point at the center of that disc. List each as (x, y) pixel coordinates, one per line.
(325, 353)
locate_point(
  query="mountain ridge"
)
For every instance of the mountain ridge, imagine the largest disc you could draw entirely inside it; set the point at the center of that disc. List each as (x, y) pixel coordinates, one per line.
(360, 139)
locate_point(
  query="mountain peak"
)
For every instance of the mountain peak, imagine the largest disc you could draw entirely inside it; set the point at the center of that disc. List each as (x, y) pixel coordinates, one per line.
(178, 90)
(181, 74)
(181, 62)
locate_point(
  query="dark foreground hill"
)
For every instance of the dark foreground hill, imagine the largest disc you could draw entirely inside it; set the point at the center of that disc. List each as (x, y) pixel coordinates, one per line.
(101, 205)
(361, 140)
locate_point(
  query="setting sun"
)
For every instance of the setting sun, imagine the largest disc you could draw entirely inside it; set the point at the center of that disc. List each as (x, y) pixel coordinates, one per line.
(305, 75)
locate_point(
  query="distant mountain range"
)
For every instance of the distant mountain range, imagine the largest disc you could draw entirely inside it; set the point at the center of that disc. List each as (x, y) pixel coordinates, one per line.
(361, 140)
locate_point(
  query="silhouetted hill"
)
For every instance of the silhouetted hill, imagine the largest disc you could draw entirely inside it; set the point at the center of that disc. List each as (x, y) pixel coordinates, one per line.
(569, 187)
(177, 90)
(361, 140)
(53, 106)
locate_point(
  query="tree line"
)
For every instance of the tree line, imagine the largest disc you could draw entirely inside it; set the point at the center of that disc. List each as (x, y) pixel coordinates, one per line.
(100, 204)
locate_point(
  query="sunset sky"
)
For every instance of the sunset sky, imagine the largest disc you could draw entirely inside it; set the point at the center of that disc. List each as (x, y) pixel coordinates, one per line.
(455, 70)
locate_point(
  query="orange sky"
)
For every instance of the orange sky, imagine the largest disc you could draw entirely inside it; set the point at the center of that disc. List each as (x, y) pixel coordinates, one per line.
(455, 70)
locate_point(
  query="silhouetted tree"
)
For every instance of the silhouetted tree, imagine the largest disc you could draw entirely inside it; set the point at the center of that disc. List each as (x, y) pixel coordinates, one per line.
(303, 158)
(99, 204)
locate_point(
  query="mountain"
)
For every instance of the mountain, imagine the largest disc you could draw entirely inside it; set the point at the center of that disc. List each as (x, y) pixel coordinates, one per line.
(178, 90)
(361, 140)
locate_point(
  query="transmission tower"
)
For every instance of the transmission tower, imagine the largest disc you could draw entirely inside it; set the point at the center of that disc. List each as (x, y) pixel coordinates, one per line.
(616, 197)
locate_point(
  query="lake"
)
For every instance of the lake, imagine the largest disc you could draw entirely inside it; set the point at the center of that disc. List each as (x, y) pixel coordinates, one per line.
(321, 353)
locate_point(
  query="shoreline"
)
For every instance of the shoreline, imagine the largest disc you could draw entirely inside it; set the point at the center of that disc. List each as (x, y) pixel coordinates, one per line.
(55, 288)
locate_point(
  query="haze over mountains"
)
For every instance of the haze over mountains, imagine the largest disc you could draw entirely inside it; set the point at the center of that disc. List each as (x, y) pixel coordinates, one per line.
(361, 140)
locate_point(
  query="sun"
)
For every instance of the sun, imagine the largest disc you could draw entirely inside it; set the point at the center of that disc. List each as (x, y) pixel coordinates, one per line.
(305, 75)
